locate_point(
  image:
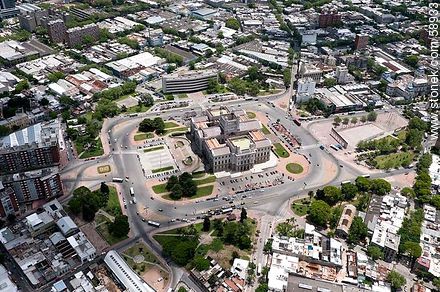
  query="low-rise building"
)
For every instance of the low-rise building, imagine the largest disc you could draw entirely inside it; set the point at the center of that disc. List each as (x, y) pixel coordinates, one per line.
(229, 140)
(39, 248)
(345, 221)
(387, 225)
(188, 81)
(126, 276)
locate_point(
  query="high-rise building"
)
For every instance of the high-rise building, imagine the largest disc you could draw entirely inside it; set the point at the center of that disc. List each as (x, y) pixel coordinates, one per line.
(7, 4)
(329, 19)
(34, 185)
(77, 35)
(306, 89)
(8, 201)
(361, 41)
(56, 30)
(342, 75)
(30, 148)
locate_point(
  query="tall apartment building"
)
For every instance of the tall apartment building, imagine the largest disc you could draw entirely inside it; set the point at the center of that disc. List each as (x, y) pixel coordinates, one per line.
(77, 35)
(8, 201)
(361, 41)
(30, 16)
(329, 19)
(34, 185)
(188, 81)
(31, 148)
(56, 30)
(229, 141)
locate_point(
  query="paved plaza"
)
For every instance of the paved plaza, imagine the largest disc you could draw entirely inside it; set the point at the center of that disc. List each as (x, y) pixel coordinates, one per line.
(157, 157)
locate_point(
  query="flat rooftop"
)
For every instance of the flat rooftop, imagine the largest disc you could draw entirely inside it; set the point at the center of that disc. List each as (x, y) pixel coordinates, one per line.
(219, 112)
(243, 143)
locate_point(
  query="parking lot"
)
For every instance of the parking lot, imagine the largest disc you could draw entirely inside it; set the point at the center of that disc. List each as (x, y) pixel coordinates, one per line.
(251, 181)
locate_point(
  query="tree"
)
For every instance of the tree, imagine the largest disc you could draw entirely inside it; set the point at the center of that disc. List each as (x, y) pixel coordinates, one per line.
(418, 124)
(4, 131)
(375, 252)
(319, 212)
(330, 194)
(55, 76)
(363, 184)
(349, 191)
(206, 224)
(120, 227)
(233, 23)
(253, 73)
(337, 121)
(183, 251)
(411, 60)
(263, 287)
(335, 216)
(330, 82)
(435, 201)
(363, 119)
(372, 116)
(380, 186)
(358, 230)
(200, 263)
(243, 215)
(220, 35)
(285, 229)
(396, 279)
(44, 102)
(213, 86)
(408, 192)
(345, 121)
(176, 192)
(172, 180)
(104, 188)
(436, 282)
(21, 86)
(413, 249)
(354, 120)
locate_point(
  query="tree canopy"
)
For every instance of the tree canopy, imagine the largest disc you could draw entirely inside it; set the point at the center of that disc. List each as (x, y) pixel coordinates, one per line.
(319, 212)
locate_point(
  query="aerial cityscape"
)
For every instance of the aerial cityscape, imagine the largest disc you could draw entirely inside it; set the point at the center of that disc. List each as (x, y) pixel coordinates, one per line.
(219, 145)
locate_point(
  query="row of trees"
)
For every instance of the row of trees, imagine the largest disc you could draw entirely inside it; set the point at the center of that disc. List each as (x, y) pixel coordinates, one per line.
(114, 93)
(156, 125)
(87, 203)
(371, 117)
(169, 56)
(182, 186)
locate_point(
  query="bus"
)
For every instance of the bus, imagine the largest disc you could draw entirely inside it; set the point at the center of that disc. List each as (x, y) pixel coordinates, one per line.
(334, 147)
(259, 269)
(153, 223)
(118, 179)
(366, 175)
(297, 122)
(345, 182)
(132, 191)
(227, 210)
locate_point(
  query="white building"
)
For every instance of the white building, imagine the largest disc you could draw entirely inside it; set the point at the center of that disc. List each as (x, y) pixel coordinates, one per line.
(82, 246)
(240, 267)
(306, 89)
(125, 274)
(434, 171)
(6, 285)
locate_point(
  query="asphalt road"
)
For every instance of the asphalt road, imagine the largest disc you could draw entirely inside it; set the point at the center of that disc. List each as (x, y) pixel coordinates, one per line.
(126, 164)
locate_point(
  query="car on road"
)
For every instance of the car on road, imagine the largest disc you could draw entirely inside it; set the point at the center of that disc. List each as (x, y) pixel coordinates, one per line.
(160, 210)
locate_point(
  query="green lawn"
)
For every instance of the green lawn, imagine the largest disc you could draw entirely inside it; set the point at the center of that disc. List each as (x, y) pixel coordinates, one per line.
(203, 191)
(162, 169)
(280, 151)
(172, 130)
(170, 125)
(300, 207)
(143, 136)
(113, 207)
(138, 109)
(198, 174)
(182, 95)
(105, 234)
(294, 168)
(141, 249)
(163, 239)
(160, 189)
(96, 151)
(265, 130)
(151, 149)
(207, 180)
(393, 160)
(251, 115)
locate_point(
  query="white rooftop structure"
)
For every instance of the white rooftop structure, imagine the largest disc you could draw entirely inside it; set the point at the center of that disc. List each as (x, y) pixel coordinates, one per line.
(6, 285)
(434, 170)
(144, 59)
(125, 274)
(240, 267)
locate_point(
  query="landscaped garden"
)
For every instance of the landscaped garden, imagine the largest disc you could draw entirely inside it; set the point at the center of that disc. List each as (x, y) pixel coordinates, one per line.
(294, 168)
(280, 151)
